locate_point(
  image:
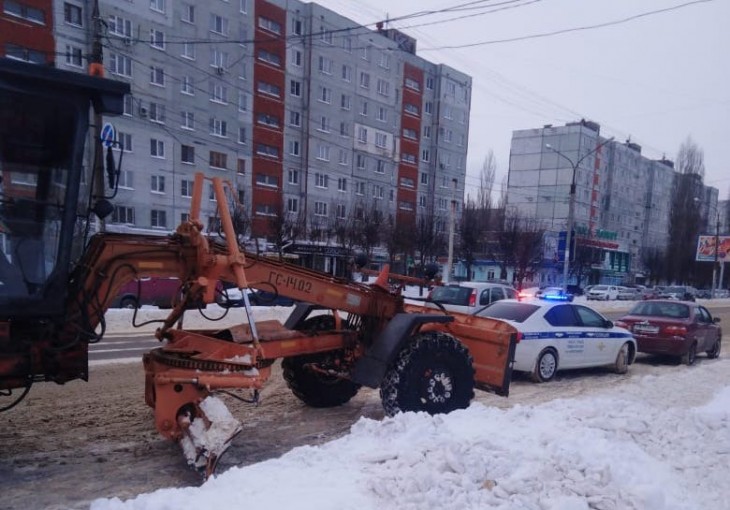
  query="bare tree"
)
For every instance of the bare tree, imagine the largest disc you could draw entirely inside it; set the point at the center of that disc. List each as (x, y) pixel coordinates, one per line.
(285, 228)
(370, 224)
(654, 262)
(471, 231)
(685, 220)
(430, 238)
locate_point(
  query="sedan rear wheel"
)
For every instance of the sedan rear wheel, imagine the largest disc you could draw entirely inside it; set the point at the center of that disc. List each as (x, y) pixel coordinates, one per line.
(715, 351)
(546, 366)
(689, 358)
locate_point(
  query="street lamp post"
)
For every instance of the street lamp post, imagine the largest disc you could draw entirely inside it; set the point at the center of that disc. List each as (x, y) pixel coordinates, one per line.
(571, 205)
(714, 264)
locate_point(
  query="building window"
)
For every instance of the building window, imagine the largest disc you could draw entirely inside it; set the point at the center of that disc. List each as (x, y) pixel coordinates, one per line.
(411, 108)
(269, 181)
(381, 140)
(126, 179)
(292, 205)
(427, 131)
(157, 113)
(158, 218)
(325, 95)
(218, 127)
(242, 135)
(267, 120)
(120, 65)
(157, 5)
(362, 135)
(425, 155)
(320, 208)
(378, 192)
(407, 182)
(241, 168)
(218, 160)
(26, 12)
(293, 176)
(360, 188)
(267, 151)
(344, 157)
(186, 86)
(410, 134)
(188, 13)
(323, 152)
(157, 148)
(297, 58)
(269, 58)
(157, 76)
(384, 59)
(380, 167)
(218, 59)
(158, 183)
(325, 65)
(382, 114)
(342, 184)
(125, 142)
(408, 158)
(324, 124)
(383, 87)
(269, 89)
(346, 73)
(364, 108)
(73, 15)
(364, 80)
(412, 84)
(344, 129)
(325, 36)
(265, 210)
(341, 211)
(21, 53)
(218, 24)
(428, 107)
(295, 118)
(123, 214)
(187, 154)
(297, 27)
(218, 92)
(157, 39)
(429, 83)
(269, 25)
(295, 88)
(321, 180)
(345, 102)
(188, 51)
(74, 56)
(187, 120)
(128, 105)
(120, 26)
(360, 162)
(294, 148)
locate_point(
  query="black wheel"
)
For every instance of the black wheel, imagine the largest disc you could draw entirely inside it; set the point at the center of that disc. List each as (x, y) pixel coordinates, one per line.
(621, 365)
(689, 358)
(432, 373)
(311, 386)
(546, 366)
(129, 302)
(716, 347)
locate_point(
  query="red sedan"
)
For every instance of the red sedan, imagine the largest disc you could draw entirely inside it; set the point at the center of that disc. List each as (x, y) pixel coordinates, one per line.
(674, 328)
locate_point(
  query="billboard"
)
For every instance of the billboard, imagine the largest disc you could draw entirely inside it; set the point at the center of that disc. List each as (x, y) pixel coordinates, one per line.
(706, 249)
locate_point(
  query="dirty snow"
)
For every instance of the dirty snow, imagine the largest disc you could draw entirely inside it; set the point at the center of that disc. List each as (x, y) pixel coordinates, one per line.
(658, 442)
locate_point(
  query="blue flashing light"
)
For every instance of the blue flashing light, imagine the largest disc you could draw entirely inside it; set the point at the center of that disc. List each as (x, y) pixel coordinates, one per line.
(557, 297)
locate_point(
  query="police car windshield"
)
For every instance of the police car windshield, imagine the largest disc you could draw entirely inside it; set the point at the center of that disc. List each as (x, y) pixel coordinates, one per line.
(518, 312)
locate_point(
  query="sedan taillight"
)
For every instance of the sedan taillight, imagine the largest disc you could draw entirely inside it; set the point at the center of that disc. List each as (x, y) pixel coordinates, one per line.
(675, 330)
(473, 298)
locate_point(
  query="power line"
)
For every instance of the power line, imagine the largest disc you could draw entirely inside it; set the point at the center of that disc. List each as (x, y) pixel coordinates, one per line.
(568, 30)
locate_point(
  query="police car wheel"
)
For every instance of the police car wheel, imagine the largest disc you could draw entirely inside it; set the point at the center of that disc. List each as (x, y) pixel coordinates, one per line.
(622, 360)
(432, 373)
(546, 366)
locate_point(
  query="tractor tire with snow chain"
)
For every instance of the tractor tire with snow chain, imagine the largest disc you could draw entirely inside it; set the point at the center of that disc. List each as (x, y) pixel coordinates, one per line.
(432, 373)
(310, 386)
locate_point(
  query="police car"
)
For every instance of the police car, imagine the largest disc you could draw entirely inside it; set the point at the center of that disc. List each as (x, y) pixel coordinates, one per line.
(559, 335)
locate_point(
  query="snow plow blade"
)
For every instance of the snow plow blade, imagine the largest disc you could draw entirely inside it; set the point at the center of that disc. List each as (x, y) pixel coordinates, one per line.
(207, 432)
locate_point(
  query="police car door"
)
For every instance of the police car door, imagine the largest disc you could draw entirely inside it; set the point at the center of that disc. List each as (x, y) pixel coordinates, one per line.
(600, 347)
(566, 335)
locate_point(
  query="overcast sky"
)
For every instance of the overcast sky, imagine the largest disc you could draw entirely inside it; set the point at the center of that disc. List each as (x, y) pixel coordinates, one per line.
(658, 79)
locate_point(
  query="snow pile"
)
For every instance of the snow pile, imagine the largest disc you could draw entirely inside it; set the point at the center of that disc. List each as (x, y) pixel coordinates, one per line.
(638, 445)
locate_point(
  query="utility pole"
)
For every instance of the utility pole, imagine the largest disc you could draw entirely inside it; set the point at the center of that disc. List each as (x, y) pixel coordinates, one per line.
(571, 205)
(452, 220)
(96, 68)
(714, 263)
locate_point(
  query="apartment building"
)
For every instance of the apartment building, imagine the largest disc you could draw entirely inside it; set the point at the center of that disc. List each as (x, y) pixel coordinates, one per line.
(26, 30)
(311, 116)
(622, 199)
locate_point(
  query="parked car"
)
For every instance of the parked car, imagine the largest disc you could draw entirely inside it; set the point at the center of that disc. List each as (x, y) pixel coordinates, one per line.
(229, 295)
(557, 335)
(555, 294)
(653, 292)
(680, 292)
(603, 293)
(628, 293)
(674, 328)
(469, 297)
(575, 290)
(160, 292)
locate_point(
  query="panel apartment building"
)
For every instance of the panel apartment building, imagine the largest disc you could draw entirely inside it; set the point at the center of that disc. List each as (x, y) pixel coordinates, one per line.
(306, 112)
(622, 201)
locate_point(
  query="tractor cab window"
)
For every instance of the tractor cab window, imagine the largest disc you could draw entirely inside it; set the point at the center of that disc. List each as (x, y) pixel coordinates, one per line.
(36, 141)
